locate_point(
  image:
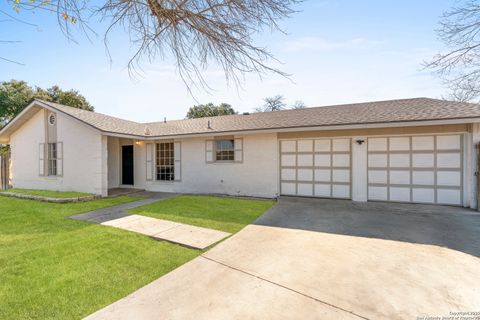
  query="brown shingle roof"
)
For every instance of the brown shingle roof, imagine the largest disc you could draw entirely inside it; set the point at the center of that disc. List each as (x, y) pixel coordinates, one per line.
(417, 109)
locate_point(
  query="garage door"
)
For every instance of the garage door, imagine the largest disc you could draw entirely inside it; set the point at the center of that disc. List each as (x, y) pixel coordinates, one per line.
(315, 167)
(421, 169)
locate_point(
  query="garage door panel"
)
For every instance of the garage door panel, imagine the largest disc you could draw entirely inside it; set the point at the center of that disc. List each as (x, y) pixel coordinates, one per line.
(423, 195)
(305, 189)
(400, 177)
(340, 191)
(305, 160)
(305, 146)
(323, 146)
(323, 190)
(289, 188)
(399, 144)
(449, 178)
(399, 194)
(323, 160)
(377, 144)
(341, 145)
(449, 196)
(305, 174)
(288, 160)
(449, 142)
(378, 193)
(377, 160)
(341, 175)
(323, 175)
(423, 160)
(423, 177)
(289, 146)
(423, 143)
(341, 160)
(448, 160)
(423, 169)
(401, 160)
(288, 174)
(377, 176)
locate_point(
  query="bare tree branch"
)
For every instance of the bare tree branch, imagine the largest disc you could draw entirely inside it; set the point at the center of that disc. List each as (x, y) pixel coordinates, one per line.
(459, 68)
(198, 34)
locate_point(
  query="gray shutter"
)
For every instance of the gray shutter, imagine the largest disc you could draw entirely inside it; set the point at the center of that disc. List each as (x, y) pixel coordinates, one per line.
(60, 159)
(209, 151)
(177, 148)
(41, 159)
(149, 161)
(238, 150)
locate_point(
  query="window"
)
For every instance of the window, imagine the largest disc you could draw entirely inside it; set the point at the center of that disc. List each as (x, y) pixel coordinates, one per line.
(52, 159)
(225, 150)
(165, 162)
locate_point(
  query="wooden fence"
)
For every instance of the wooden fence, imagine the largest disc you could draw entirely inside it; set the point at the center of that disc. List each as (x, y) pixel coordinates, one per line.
(4, 171)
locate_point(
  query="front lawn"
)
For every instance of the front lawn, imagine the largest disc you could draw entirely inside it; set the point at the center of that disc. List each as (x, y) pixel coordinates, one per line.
(52, 267)
(220, 213)
(49, 194)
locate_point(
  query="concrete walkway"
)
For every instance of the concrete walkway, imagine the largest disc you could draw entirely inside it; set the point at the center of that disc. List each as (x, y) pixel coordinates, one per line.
(305, 259)
(186, 235)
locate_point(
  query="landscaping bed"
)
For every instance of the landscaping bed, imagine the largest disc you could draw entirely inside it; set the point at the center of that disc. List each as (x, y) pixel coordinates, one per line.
(49, 196)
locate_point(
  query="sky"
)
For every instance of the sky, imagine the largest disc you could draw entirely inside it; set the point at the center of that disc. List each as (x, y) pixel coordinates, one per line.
(341, 51)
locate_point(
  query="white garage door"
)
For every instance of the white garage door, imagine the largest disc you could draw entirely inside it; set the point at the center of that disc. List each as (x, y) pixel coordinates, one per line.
(315, 167)
(422, 169)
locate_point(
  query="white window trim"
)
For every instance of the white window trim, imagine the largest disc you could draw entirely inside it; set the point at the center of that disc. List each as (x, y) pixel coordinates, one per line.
(155, 167)
(236, 150)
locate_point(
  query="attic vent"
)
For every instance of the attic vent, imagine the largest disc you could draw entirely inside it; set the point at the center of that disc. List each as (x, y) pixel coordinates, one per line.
(147, 131)
(52, 119)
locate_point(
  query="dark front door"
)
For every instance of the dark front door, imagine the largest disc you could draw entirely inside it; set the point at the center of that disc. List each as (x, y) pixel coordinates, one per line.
(127, 165)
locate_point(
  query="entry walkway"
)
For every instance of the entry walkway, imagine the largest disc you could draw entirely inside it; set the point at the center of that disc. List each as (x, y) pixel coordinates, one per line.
(184, 234)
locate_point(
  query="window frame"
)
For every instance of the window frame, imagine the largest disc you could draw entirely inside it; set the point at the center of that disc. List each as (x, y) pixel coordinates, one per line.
(168, 154)
(215, 150)
(52, 159)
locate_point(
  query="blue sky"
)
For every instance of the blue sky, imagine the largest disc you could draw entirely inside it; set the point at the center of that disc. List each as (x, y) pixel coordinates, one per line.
(338, 51)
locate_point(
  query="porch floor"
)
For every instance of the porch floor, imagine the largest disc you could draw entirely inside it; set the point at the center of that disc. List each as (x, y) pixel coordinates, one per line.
(115, 192)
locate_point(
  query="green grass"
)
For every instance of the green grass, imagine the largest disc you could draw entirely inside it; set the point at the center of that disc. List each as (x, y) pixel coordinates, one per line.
(57, 268)
(49, 194)
(220, 213)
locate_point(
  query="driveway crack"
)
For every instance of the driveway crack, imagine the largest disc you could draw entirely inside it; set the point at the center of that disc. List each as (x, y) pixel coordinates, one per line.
(284, 287)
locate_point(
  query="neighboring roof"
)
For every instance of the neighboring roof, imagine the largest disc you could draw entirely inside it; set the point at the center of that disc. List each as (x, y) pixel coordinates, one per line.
(379, 112)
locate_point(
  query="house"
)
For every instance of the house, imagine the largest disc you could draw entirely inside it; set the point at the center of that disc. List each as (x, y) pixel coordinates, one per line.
(413, 150)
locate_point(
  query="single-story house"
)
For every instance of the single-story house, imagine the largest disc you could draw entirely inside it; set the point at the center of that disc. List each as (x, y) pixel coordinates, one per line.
(412, 150)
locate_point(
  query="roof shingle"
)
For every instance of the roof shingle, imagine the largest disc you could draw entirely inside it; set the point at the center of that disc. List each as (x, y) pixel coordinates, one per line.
(417, 109)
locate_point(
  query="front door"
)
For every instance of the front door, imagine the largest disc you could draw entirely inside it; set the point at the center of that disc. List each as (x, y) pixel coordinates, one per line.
(127, 165)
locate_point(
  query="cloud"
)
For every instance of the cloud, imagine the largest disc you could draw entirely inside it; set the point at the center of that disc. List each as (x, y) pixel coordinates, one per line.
(321, 44)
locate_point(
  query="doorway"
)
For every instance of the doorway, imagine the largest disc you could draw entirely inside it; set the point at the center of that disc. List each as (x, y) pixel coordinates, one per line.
(127, 165)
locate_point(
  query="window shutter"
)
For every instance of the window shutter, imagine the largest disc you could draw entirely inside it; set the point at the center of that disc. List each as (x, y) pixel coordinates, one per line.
(60, 159)
(239, 150)
(41, 159)
(177, 148)
(209, 151)
(149, 158)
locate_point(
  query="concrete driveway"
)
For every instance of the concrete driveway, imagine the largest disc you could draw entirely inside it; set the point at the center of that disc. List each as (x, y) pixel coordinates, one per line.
(326, 259)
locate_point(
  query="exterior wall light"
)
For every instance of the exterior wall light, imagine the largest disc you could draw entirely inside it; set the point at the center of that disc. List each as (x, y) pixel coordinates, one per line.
(360, 141)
